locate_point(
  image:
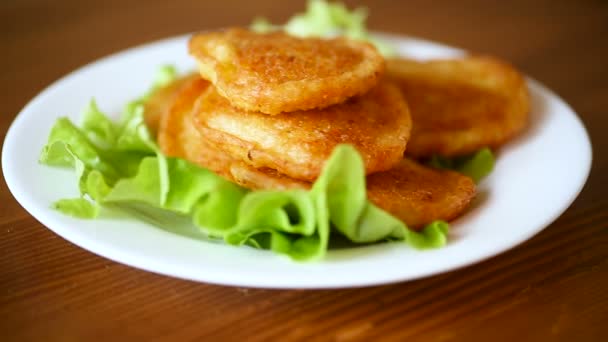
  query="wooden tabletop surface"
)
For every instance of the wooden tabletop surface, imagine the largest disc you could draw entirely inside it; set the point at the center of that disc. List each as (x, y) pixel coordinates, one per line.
(552, 287)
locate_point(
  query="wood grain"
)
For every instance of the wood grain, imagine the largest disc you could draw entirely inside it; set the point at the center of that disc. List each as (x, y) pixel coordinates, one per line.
(550, 288)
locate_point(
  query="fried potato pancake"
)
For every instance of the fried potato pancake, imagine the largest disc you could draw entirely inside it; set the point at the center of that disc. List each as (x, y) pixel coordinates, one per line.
(177, 136)
(159, 101)
(274, 72)
(415, 194)
(411, 192)
(297, 144)
(460, 106)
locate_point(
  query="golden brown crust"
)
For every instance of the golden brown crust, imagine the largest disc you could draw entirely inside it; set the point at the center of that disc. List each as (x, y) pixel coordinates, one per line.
(274, 72)
(419, 195)
(177, 136)
(297, 144)
(460, 106)
(159, 101)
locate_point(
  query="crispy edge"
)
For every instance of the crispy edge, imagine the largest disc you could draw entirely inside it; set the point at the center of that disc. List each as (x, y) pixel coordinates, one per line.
(264, 179)
(487, 73)
(288, 96)
(179, 138)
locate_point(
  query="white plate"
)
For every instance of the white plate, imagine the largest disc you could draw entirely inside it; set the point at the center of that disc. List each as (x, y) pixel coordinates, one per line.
(536, 178)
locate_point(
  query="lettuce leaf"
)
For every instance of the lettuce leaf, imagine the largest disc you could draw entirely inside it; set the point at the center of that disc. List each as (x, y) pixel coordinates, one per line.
(326, 19)
(477, 165)
(77, 207)
(119, 166)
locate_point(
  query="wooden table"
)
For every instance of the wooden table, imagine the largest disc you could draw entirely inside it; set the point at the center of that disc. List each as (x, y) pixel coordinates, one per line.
(552, 287)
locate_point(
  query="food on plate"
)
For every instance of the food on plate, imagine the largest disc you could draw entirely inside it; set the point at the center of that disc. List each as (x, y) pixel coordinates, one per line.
(275, 72)
(416, 194)
(123, 169)
(460, 106)
(278, 141)
(297, 144)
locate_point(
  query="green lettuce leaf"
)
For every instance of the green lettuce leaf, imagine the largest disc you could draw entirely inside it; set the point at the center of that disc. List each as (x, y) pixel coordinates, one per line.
(98, 126)
(477, 165)
(326, 19)
(120, 167)
(77, 207)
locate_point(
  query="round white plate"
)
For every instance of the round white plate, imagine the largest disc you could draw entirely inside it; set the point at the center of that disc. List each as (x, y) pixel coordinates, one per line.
(537, 177)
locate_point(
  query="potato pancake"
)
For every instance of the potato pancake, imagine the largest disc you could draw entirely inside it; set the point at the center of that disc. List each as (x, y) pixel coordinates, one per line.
(275, 72)
(411, 192)
(297, 144)
(460, 106)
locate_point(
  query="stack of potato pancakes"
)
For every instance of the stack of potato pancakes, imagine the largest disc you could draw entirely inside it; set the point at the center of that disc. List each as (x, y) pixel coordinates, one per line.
(266, 111)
